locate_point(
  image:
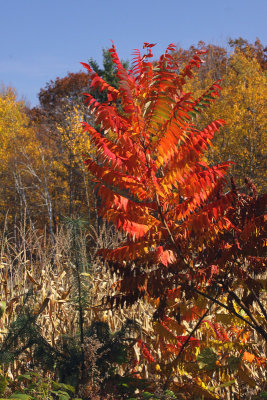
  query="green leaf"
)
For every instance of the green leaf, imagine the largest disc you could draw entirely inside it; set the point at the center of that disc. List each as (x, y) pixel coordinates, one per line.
(2, 308)
(64, 396)
(3, 384)
(233, 363)
(147, 395)
(207, 359)
(24, 376)
(193, 114)
(63, 386)
(21, 396)
(226, 384)
(61, 395)
(170, 393)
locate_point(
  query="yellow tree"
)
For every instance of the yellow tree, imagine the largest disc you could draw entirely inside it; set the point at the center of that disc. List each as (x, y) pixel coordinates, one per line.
(14, 134)
(28, 169)
(76, 143)
(242, 105)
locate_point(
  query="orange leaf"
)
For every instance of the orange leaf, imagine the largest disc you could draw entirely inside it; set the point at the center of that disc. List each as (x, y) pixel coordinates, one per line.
(248, 357)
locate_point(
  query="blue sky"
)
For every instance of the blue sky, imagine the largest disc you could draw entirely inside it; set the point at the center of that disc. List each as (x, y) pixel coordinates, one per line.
(43, 39)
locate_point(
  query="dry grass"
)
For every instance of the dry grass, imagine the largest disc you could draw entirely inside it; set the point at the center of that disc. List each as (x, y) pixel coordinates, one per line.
(32, 263)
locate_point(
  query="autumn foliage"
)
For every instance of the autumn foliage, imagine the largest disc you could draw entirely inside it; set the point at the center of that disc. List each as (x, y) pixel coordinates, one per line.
(146, 221)
(192, 248)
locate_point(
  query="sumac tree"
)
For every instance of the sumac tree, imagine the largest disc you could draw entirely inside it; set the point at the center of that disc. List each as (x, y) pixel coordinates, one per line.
(190, 245)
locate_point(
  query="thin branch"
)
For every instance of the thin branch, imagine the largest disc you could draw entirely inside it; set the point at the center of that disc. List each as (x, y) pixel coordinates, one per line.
(231, 312)
(177, 248)
(174, 362)
(260, 304)
(258, 327)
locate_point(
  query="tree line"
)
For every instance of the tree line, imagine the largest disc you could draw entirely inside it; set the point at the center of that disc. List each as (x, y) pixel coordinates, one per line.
(42, 172)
